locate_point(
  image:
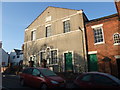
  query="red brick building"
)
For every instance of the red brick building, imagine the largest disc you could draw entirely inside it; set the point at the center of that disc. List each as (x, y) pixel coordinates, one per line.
(103, 39)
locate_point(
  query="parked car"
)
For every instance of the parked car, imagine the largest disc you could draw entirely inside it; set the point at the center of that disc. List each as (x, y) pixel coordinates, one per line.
(41, 78)
(96, 80)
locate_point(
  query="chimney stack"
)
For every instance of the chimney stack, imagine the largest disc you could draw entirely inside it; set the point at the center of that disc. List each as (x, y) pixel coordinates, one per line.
(117, 3)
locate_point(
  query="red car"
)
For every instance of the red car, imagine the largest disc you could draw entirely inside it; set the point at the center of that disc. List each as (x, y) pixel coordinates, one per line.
(41, 78)
(96, 80)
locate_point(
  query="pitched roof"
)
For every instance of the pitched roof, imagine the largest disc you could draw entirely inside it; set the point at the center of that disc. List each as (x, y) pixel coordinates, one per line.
(102, 18)
(18, 52)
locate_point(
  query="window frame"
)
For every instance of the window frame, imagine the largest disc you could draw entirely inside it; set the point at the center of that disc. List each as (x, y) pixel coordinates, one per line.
(48, 34)
(33, 35)
(52, 59)
(95, 28)
(68, 29)
(117, 38)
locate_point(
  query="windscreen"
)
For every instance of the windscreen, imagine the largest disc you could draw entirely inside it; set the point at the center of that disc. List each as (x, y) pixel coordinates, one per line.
(47, 72)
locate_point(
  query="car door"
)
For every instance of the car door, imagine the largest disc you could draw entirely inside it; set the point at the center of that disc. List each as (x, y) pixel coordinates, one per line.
(28, 76)
(36, 78)
(102, 81)
(86, 81)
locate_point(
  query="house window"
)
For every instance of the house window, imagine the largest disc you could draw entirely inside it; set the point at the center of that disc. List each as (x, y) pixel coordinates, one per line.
(66, 26)
(33, 35)
(18, 56)
(13, 57)
(48, 31)
(116, 38)
(53, 59)
(98, 35)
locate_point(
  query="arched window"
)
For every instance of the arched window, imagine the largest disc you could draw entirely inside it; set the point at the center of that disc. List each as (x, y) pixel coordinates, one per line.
(116, 38)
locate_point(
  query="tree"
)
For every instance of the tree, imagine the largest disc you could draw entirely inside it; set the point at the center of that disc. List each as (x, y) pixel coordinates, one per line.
(30, 52)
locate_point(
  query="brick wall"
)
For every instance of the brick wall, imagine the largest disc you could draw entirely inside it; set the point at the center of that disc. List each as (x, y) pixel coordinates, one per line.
(110, 26)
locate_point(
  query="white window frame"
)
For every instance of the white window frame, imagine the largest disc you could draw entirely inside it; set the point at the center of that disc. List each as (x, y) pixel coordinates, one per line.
(46, 34)
(57, 56)
(67, 19)
(114, 39)
(33, 35)
(99, 26)
(117, 56)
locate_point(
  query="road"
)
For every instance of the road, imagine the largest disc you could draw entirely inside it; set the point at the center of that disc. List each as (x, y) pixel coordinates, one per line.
(11, 82)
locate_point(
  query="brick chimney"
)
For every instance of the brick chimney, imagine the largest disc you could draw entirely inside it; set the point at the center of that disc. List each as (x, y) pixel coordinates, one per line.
(117, 3)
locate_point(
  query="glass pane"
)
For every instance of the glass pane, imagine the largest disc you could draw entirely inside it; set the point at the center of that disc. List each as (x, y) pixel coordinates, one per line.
(36, 72)
(47, 72)
(66, 26)
(86, 78)
(98, 35)
(103, 80)
(116, 38)
(48, 31)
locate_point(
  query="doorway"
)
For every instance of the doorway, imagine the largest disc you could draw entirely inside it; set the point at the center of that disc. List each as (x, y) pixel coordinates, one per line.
(68, 62)
(92, 62)
(118, 67)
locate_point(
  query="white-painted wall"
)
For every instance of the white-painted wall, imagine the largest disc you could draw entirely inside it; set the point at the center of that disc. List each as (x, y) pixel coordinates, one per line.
(16, 59)
(3, 57)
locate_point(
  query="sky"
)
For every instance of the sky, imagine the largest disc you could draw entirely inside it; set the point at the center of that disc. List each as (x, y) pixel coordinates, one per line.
(16, 16)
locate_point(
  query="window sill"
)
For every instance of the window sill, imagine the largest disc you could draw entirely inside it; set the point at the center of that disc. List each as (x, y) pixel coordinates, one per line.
(116, 44)
(99, 43)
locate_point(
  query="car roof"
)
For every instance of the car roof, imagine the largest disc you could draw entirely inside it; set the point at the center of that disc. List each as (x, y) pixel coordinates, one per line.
(105, 74)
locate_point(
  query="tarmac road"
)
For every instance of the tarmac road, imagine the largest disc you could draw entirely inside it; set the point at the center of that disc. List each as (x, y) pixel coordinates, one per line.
(11, 82)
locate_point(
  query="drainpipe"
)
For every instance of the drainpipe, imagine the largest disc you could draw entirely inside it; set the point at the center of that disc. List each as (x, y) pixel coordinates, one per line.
(85, 67)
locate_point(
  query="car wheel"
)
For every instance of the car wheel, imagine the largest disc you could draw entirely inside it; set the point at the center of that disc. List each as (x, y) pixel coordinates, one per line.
(44, 87)
(22, 82)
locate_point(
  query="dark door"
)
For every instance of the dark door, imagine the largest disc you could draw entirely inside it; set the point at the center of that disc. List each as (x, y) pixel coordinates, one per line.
(68, 62)
(118, 66)
(93, 63)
